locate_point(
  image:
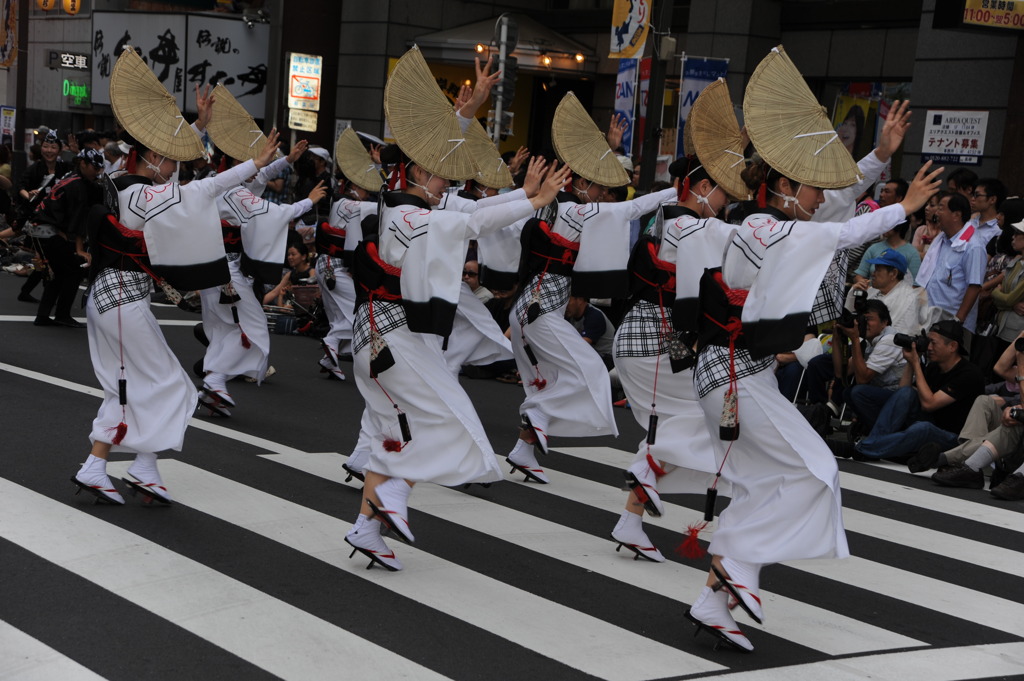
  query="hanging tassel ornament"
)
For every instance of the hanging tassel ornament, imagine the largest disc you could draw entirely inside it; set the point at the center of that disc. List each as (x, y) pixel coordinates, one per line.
(729, 425)
(762, 193)
(684, 193)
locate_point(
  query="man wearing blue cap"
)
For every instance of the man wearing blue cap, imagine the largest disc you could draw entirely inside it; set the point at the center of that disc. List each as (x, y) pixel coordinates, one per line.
(889, 284)
(893, 240)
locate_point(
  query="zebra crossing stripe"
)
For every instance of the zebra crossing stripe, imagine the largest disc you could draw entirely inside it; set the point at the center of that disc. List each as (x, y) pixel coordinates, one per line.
(269, 633)
(946, 597)
(943, 503)
(28, 659)
(555, 631)
(805, 624)
(997, 660)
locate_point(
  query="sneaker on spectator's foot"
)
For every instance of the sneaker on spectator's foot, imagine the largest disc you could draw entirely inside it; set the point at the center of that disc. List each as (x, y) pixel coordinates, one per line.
(959, 475)
(925, 458)
(834, 408)
(1010, 489)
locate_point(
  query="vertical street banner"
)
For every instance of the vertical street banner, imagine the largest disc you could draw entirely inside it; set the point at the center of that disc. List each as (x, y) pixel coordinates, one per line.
(625, 99)
(631, 20)
(184, 51)
(645, 90)
(954, 137)
(7, 120)
(698, 73)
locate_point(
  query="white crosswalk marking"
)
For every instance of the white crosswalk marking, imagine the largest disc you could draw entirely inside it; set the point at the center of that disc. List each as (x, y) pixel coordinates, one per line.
(802, 623)
(241, 619)
(274, 635)
(561, 633)
(28, 659)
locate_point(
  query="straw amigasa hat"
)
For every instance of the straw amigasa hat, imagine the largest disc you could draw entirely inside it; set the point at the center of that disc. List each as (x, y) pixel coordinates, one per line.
(688, 135)
(716, 139)
(355, 162)
(790, 130)
(492, 171)
(423, 121)
(583, 147)
(148, 112)
(233, 129)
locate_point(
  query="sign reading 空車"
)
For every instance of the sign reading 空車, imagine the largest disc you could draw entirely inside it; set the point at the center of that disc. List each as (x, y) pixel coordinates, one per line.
(956, 137)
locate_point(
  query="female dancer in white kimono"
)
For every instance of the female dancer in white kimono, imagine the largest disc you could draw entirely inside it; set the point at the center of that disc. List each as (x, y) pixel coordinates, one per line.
(422, 425)
(655, 364)
(568, 391)
(233, 319)
(148, 398)
(785, 501)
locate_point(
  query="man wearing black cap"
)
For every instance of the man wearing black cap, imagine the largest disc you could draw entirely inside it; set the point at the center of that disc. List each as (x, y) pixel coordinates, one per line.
(932, 402)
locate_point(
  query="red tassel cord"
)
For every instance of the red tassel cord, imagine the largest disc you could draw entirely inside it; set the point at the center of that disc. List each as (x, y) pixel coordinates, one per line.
(684, 193)
(392, 445)
(691, 548)
(762, 194)
(245, 341)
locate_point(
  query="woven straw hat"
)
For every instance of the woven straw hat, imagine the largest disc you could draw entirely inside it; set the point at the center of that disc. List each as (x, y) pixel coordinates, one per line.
(790, 130)
(423, 120)
(492, 171)
(582, 146)
(355, 162)
(688, 136)
(233, 129)
(716, 139)
(144, 107)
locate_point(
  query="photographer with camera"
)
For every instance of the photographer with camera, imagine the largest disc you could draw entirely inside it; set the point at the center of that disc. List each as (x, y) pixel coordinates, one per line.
(888, 284)
(932, 402)
(876, 368)
(992, 434)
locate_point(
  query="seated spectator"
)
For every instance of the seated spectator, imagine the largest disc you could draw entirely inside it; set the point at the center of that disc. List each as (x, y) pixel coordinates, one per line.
(1001, 448)
(877, 369)
(893, 240)
(471, 275)
(888, 284)
(593, 325)
(985, 417)
(932, 402)
(792, 368)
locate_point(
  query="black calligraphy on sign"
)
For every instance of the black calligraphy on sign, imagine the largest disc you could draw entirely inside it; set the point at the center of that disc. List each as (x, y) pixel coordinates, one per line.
(221, 78)
(255, 76)
(126, 39)
(165, 53)
(104, 65)
(97, 43)
(197, 74)
(203, 38)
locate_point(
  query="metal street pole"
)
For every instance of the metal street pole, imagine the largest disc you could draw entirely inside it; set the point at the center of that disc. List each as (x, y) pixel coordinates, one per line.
(498, 100)
(20, 161)
(272, 108)
(655, 97)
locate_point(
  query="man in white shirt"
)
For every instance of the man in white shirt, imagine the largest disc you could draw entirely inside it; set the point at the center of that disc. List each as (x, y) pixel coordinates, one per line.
(889, 285)
(986, 199)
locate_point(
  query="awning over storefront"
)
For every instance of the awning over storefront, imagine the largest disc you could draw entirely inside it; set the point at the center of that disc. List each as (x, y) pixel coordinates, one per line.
(536, 41)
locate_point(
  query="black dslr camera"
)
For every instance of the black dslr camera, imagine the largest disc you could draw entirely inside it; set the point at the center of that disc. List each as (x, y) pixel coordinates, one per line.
(906, 341)
(1017, 414)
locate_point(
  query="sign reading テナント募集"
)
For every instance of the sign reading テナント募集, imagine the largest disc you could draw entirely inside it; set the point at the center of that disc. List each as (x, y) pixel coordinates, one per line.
(956, 137)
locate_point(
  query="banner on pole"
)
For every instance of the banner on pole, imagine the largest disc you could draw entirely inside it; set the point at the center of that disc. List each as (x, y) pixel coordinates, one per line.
(625, 99)
(631, 19)
(698, 73)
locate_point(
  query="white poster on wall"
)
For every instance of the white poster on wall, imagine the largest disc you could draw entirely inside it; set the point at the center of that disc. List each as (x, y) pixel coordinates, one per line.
(184, 51)
(956, 137)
